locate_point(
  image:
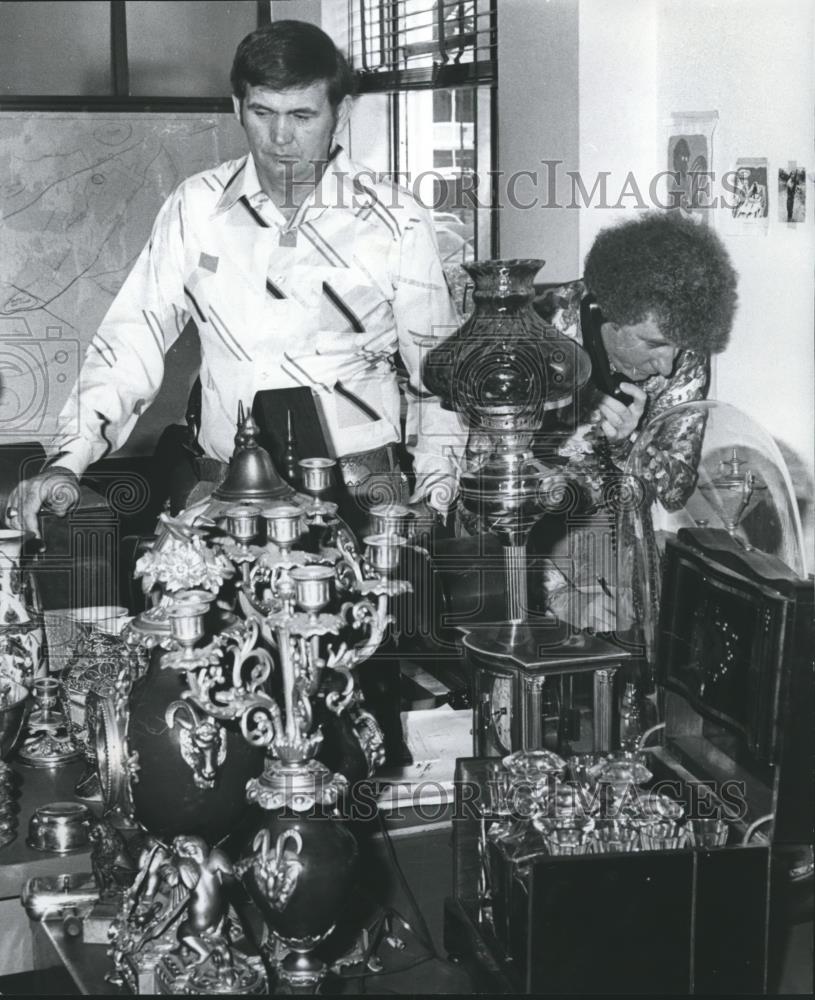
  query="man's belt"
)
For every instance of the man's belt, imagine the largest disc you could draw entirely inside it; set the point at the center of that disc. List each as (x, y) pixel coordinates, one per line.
(356, 469)
(374, 477)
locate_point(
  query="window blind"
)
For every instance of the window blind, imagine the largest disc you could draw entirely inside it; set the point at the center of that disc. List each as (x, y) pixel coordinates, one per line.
(421, 44)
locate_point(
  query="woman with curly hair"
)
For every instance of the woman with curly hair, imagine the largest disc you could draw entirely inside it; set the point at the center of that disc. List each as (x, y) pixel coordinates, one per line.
(659, 294)
(657, 298)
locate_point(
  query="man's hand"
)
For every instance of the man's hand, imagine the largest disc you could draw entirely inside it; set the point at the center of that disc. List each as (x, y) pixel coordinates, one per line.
(436, 492)
(616, 420)
(55, 489)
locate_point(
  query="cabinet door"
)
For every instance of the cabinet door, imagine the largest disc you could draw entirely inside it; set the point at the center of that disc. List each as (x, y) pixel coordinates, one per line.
(730, 929)
(605, 924)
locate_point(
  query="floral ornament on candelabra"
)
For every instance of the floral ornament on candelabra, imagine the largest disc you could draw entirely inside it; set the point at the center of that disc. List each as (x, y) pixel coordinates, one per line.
(184, 564)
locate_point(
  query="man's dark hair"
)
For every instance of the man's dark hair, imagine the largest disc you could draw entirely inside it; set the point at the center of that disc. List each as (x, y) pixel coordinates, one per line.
(671, 268)
(287, 55)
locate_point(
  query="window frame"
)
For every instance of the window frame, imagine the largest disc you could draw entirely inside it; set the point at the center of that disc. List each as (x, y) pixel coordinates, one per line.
(121, 99)
(443, 75)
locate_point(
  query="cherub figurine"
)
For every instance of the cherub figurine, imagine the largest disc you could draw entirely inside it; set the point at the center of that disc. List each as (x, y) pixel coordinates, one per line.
(203, 872)
(178, 896)
(205, 962)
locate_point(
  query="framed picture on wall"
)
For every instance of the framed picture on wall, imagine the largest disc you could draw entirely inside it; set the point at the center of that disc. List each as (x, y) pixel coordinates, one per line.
(689, 163)
(749, 198)
(792, 204)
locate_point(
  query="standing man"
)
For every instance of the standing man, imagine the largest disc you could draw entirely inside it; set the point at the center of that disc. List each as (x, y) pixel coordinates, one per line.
(299, 269)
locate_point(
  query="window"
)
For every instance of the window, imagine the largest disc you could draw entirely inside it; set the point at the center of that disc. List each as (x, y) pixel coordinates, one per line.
(128, 54)
(426, 74)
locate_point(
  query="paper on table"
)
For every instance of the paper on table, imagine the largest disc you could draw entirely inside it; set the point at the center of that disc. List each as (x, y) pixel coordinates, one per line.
(435, 738)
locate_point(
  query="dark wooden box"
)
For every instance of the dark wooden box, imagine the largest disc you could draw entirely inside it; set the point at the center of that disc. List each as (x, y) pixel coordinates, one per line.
(686, 921)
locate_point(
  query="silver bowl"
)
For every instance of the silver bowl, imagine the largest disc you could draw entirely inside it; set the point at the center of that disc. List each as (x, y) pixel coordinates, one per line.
(13, 708)
(60, 827)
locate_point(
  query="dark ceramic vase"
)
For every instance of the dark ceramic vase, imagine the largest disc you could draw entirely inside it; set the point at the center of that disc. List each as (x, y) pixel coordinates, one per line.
(300, 874)
(170, 791)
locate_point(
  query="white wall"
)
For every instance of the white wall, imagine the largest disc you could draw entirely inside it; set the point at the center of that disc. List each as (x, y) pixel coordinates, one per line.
(753, 62)
(538, 119)
(618, 126)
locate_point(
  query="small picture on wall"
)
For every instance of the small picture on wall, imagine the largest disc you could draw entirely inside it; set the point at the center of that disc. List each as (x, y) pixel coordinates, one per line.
(689, 162)
(792, 193)
(747, 187)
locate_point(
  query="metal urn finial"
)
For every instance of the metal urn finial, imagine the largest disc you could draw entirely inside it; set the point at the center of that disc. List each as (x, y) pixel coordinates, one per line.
(251, 476)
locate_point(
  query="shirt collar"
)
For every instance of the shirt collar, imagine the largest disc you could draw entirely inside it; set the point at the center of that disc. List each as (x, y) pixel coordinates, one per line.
(243, 181)
(332, 190)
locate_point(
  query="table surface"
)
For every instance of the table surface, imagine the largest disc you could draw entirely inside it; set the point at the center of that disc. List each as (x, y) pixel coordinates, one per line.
(87, 964)
(18, 861)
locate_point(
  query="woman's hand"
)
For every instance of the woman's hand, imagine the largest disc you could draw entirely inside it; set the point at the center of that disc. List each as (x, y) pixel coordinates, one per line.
(616, 420)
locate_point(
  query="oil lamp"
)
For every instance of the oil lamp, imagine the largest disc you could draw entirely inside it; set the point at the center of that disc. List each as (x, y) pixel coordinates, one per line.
(503, 370)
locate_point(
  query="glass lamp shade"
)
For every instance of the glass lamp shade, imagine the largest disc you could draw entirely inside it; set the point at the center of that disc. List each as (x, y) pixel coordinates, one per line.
(504, 366)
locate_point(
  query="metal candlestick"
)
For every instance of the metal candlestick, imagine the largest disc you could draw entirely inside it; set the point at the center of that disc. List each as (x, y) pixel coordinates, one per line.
(53, 738)
(391, 519)
(318, 478)
(318, 475)
(284, 524)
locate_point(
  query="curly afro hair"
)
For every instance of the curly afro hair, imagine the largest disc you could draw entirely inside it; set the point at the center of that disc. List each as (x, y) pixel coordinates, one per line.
(670, 268)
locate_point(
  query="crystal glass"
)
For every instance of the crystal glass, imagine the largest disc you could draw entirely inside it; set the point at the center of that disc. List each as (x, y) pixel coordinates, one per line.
(623, 768)
(662, 835)
(615, 837)
(655, 806)
(566, 837)
(709, 832)
(566, 800)
(533, 764)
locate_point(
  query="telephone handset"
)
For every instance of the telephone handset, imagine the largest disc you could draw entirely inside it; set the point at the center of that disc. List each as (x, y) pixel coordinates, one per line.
(607, 381)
